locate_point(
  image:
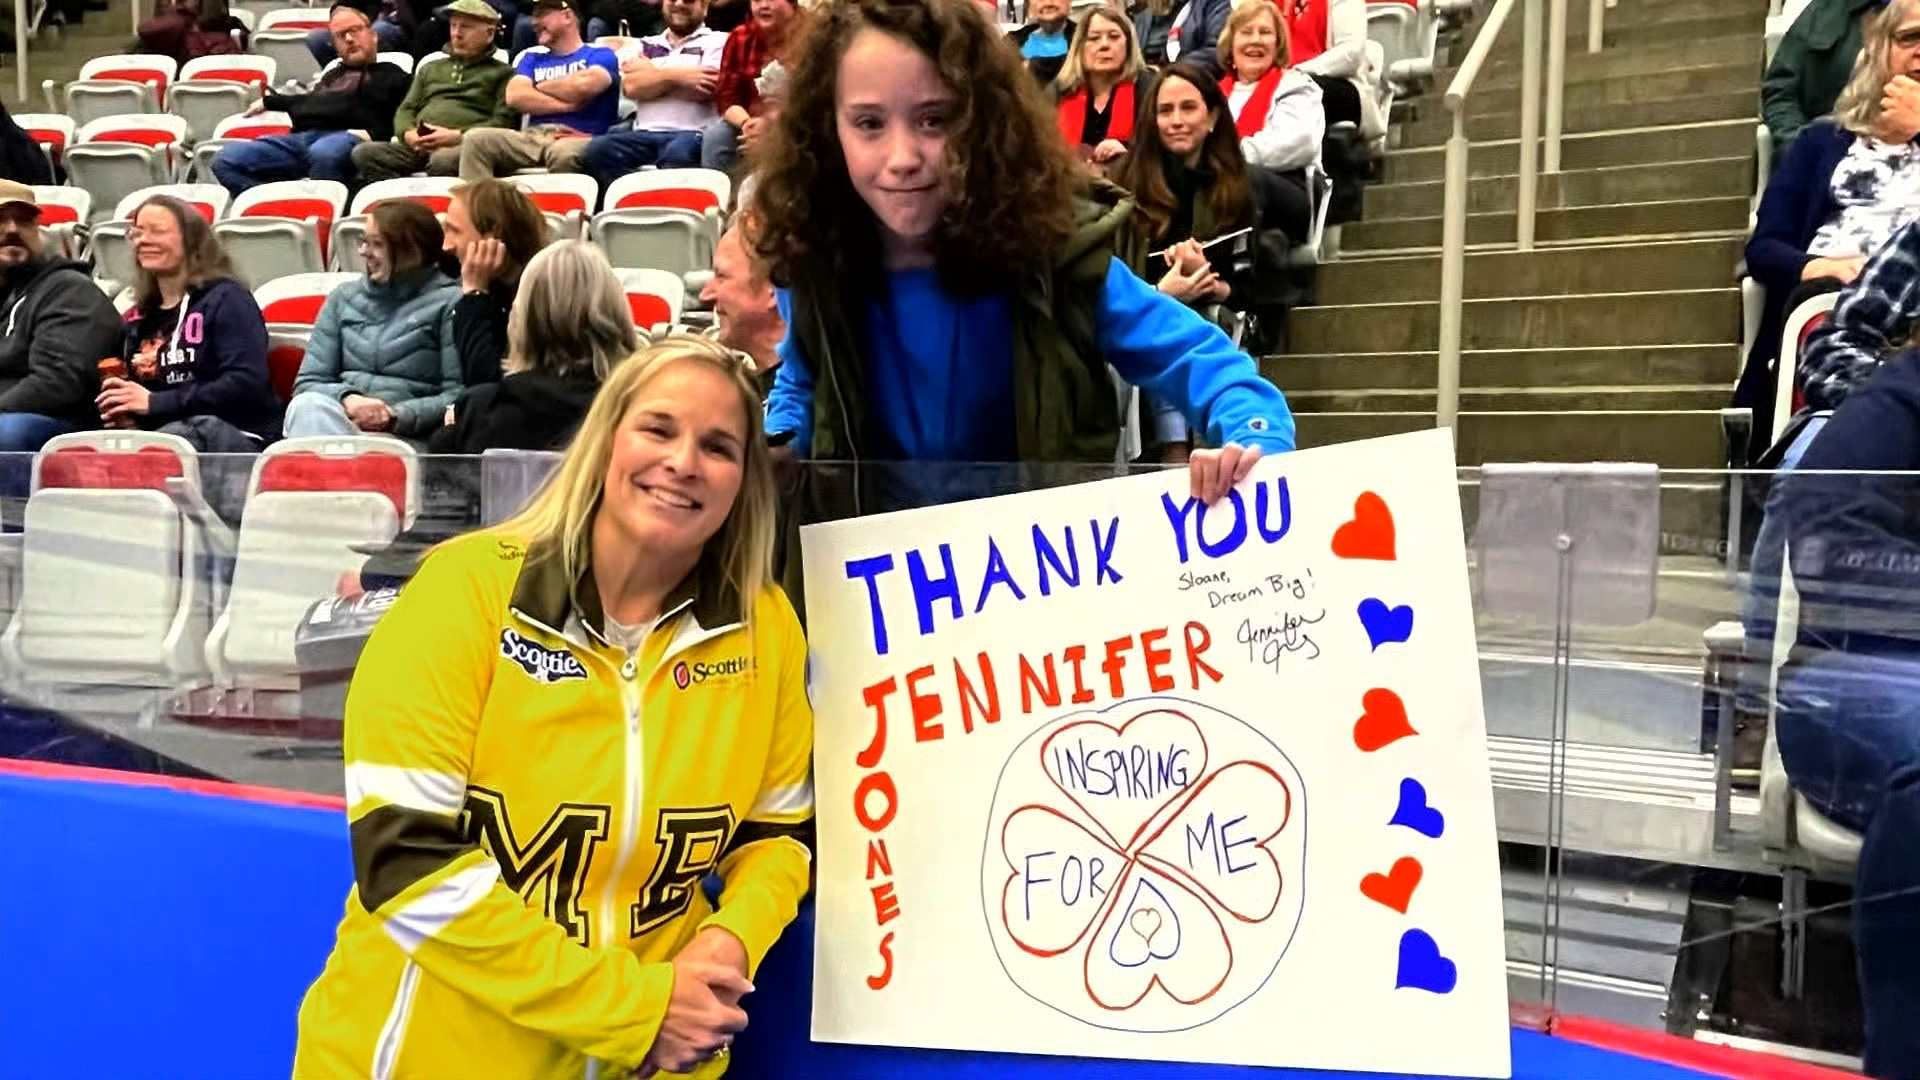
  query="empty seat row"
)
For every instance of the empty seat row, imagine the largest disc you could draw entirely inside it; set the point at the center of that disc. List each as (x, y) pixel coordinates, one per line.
(129, 578)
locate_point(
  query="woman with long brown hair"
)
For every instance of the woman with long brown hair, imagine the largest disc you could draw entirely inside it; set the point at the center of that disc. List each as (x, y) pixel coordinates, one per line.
(948, 274)
(493, 228)
(195, 350)
(1191, 186)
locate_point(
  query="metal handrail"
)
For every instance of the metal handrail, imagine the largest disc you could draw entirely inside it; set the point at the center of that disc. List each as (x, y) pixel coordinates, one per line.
(1453, 233)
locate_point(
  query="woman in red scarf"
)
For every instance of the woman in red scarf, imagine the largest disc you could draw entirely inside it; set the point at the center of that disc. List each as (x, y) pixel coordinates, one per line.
(1099, 90)
(1327, 40)
(1276, 109)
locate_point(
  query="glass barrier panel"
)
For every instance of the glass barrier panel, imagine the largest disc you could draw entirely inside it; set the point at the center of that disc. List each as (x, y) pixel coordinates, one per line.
(1669, 860)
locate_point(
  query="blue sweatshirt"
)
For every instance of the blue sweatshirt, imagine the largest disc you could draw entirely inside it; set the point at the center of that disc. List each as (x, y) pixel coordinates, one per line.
(212, 363)
(940, 371)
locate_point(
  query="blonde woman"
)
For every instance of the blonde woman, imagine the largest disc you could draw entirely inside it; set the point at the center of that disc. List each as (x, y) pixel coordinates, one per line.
(1098, 92)
(563, 725)
(567, 330)
(1847, 185)
(1276, 110)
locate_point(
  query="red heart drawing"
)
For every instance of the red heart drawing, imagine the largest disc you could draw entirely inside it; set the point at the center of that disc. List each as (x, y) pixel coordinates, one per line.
(1370, 534)
(1383, 723)
(1395, 887)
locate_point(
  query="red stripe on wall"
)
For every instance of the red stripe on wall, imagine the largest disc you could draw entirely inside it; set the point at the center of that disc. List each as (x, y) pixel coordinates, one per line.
(274, 796)
(1687, 1053)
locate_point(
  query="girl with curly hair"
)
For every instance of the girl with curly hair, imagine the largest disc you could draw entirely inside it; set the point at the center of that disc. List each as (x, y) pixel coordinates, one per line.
(948, 275)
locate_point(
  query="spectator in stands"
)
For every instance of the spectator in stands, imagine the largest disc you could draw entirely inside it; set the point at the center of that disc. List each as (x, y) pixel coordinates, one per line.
(671, 81)
(1812, 64)
(751, 47)
(354, 102)
(392, 22)
(494, 230)
(58, 325)
(1276, 110)
(191, 29)
(1327, 39)
(1847, 723)
(568, 330)
(448, 97)
(929, 232)
(1099, 89)
(1188, 31)
(1191, 186)
(194, 345)
(655, 533)
(21, 158)
(748, 312)
(382, 355)
(570, 93)
(1846, 186)
(1046, 39)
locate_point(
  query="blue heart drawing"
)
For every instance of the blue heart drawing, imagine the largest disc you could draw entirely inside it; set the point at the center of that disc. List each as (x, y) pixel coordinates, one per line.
(1422, 967)
(1415, 814)
(1386, 625)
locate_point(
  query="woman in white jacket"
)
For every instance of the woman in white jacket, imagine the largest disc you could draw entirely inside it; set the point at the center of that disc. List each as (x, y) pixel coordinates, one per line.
(1328, 40)
(1277, 110)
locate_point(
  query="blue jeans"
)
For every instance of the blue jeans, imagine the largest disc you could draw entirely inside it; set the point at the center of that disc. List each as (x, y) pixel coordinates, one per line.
(393, 38)
(719, 146)
(322, 155)
(1849, 733)
(1761, 604)
(21, 435)
(614, 155)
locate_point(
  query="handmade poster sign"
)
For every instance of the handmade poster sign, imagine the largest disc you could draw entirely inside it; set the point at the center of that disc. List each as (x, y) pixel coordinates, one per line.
(1107, 773)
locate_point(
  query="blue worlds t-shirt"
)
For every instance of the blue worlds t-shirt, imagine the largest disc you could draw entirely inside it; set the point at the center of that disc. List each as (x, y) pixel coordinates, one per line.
(597, 115)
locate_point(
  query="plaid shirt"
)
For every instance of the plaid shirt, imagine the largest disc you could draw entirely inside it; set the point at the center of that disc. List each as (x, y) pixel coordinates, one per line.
(746, 53)
(1875, 316)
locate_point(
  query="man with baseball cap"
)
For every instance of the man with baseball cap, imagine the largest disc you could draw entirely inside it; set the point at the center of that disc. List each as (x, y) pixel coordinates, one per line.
(449, 97)
(569, 94)
(55, 325)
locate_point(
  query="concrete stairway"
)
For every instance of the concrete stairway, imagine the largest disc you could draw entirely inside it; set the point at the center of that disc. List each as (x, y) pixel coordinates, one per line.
(1617, 337)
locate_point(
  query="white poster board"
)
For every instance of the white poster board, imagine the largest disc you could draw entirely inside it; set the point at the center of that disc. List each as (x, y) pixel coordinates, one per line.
(1091, 782)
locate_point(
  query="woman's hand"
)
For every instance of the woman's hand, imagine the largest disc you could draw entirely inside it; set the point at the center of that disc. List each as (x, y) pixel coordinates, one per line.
(122, 400)
(1191, 287)
(1899, 119)
(367, 413)
(1109, 150)
(480, 262)
(1215, 472)
(1841, 270)
(1188, 255)
(703, 1014)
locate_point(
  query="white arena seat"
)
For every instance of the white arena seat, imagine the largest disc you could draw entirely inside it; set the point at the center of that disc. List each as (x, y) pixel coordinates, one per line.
(312, 503)
(116, 588)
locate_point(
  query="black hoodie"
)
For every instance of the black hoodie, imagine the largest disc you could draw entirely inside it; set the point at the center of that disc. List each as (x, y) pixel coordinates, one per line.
(214, 365)
(55, 327)
(531, 410)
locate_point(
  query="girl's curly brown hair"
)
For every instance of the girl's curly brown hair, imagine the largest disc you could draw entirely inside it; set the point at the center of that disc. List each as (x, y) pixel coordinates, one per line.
(1008, 176)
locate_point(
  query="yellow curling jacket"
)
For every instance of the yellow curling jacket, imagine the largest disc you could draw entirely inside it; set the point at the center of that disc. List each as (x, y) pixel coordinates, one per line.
(532, 816)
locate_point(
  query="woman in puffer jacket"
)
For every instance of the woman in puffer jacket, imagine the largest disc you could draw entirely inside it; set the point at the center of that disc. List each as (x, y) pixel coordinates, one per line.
(382, 356)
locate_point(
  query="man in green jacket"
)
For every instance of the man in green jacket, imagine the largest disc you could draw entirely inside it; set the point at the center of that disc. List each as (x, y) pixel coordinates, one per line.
(1811, 67)
(465, 90)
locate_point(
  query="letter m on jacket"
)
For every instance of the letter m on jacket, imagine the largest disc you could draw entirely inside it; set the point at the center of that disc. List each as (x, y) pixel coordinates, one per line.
(549, 870)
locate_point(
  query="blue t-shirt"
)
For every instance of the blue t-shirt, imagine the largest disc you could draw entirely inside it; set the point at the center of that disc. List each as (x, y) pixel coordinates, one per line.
(939, 371)
(597, 115)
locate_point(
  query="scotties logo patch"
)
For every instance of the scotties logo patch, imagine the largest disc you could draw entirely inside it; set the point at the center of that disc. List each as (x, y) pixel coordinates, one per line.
(543, 664)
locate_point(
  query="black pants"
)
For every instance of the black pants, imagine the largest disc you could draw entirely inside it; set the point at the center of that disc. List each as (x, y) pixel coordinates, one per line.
(1340, 98)
(1281, 200)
